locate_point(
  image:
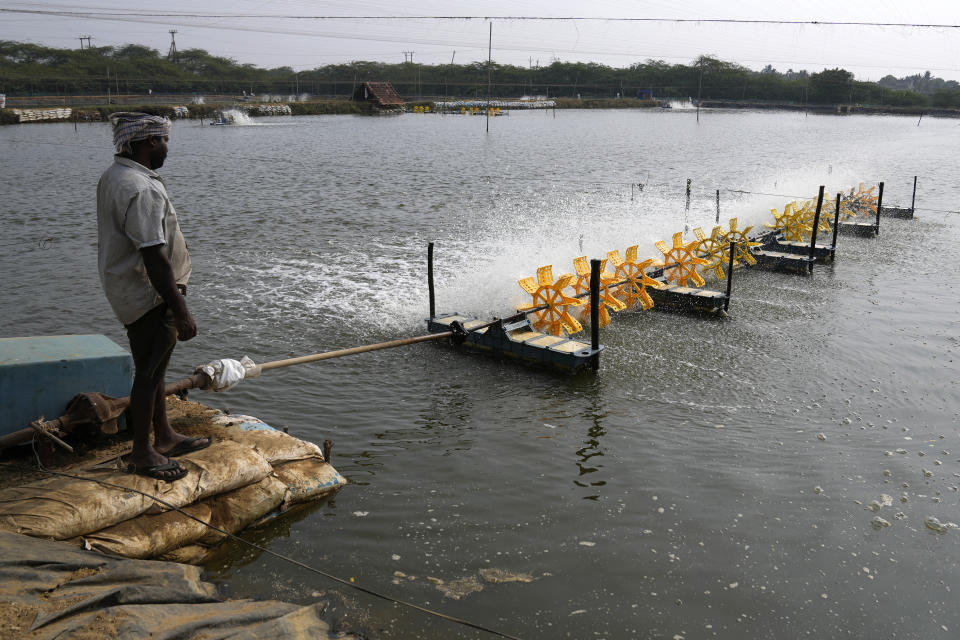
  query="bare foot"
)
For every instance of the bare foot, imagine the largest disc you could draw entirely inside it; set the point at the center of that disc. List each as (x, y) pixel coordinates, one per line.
(159, 467)
(180, 444)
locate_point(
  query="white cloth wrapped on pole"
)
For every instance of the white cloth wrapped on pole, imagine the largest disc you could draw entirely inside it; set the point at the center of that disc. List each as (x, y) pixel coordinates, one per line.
(225, 373)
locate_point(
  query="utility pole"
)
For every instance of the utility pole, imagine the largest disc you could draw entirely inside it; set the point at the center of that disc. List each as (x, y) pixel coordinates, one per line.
(489, 67)
(699, 92)
(408, 56)
(87, 38)
(172, 53)
(453, 56)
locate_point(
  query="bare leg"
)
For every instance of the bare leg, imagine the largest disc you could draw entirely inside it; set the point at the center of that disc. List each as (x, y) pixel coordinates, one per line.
(142, 407)
(164, 437)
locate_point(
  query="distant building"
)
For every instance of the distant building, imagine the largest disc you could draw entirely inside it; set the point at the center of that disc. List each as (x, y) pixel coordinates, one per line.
(645, 94)
(381, 94)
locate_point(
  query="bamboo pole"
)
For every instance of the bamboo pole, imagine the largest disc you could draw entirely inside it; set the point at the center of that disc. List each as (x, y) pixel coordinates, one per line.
(277, 364)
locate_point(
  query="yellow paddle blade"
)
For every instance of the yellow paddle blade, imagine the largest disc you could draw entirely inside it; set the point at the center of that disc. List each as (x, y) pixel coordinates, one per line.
(565, 280)
(529, 284)
(545, 275)
(804, 222)
(862, 202)
(742, 252)
(680, 261)
(778, 219)
(582, 285)
(550, 305)
(715, 251)
(635, 280)
(582, 266)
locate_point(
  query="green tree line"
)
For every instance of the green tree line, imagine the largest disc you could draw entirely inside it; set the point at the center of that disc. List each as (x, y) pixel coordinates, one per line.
(29, 70)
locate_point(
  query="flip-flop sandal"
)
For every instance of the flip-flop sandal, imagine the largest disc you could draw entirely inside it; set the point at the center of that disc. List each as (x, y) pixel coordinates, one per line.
(189, 446)
(157, 471)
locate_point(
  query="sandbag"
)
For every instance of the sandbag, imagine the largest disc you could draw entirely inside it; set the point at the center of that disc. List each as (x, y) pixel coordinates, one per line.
(152, 535)
(308, 480)
(234, 511)
(61, 508)
(149, 535)
(273, 444)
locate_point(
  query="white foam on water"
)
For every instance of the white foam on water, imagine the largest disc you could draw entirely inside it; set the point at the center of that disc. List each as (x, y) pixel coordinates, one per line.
(520, 237)
(238, 117)
(477, 266)
(681, 104)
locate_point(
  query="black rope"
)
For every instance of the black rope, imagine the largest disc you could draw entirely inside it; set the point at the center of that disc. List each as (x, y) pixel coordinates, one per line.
(302, 565)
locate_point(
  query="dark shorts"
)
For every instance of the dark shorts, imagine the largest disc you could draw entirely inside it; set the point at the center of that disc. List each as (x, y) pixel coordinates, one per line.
(152, 339)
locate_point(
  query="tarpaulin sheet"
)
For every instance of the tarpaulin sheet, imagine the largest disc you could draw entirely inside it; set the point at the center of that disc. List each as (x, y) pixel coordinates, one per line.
(52, 590)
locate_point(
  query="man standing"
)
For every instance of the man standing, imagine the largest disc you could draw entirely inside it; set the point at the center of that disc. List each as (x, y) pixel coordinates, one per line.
(144, 267)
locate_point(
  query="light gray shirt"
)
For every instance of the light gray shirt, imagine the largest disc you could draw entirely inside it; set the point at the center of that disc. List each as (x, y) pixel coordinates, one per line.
(133, 212)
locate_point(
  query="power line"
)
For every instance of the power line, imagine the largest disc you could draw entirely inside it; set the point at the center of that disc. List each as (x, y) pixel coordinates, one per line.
(157, 17)
(260, 16)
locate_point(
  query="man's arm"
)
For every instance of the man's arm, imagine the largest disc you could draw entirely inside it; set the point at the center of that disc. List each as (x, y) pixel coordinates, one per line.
(161, 277)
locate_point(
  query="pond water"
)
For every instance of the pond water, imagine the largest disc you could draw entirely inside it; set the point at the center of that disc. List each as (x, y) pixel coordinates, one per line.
(712, 480)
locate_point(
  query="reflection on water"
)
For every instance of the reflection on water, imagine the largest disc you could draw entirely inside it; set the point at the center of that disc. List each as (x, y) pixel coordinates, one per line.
(230, 556)
(586, 464)
(671, 494)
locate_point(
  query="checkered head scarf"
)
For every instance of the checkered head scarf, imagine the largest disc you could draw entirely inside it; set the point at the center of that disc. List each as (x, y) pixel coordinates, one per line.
(130, 127)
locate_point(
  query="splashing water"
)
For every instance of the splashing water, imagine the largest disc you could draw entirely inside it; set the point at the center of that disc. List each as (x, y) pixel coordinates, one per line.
(680, 104)
(238, 117)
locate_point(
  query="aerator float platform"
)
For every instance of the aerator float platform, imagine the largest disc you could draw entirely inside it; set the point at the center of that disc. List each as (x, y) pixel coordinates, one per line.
(541, 331)
(516, 338)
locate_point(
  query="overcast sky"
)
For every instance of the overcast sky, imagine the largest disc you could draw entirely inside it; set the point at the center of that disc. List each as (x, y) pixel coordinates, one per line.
(870, 52)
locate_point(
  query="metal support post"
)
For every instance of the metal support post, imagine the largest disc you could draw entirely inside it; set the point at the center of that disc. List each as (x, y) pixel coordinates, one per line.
(433, 308)
(733, 252)
(595, 311)
(836, 227)
(816, 224)
(913, 200)
(879, 207)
